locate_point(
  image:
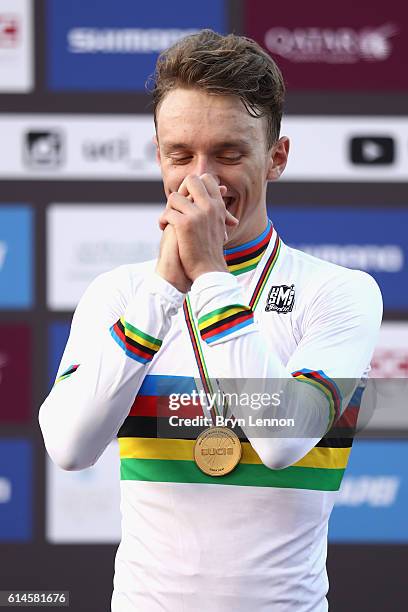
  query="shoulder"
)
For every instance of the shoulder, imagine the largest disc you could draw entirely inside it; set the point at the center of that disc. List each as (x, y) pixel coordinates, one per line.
(121, 279)
(111, 291)
(317, 274)
(327, 286)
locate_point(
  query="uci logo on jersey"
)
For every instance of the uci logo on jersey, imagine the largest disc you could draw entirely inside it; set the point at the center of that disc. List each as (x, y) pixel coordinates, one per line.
(281, 298)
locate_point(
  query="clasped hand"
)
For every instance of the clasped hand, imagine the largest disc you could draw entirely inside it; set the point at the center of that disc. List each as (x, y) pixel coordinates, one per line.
(194, 225)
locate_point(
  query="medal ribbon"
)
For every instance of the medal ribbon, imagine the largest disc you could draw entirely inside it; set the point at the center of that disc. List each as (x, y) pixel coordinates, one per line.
(198, 353)
(194, 333)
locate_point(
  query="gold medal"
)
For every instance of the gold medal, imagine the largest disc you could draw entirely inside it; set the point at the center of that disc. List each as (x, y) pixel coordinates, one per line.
(217, 451)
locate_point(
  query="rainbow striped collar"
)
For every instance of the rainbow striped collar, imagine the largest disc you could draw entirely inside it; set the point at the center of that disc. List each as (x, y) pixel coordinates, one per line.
(246, 257)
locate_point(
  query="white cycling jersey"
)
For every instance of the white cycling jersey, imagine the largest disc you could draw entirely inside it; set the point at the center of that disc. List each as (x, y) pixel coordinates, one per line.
(256, 538)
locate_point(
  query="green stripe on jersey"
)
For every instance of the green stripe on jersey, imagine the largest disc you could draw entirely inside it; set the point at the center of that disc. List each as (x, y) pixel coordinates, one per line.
(245, 475)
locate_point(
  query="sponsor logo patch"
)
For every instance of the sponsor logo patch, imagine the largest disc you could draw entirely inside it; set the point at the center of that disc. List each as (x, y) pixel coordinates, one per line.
(281, 299)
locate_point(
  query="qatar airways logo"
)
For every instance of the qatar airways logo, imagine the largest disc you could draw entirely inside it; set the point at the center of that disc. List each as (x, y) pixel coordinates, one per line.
(124, 40)
(332, 45)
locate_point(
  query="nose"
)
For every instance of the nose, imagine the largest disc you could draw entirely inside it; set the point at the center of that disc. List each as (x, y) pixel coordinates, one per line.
(203, 166)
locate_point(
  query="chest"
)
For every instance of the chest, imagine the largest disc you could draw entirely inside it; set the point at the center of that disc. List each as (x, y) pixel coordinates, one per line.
(176, 356)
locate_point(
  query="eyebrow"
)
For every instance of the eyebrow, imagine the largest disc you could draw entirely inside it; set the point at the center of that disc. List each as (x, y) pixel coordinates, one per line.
(233, 144)
(226, 144)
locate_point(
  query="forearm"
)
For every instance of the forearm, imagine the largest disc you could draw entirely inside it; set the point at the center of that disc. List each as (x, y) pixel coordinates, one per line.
(247, 367)
(85, 409)
(292, 416)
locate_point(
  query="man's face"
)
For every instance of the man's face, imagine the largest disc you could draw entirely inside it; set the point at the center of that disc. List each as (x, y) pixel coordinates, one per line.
(201, 133)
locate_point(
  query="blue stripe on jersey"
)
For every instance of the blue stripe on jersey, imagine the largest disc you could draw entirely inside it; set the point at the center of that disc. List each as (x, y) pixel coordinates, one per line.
(248, 245)
(159, 385)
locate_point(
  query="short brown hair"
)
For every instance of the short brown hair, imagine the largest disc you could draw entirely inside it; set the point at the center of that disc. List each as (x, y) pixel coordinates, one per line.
(229, 65)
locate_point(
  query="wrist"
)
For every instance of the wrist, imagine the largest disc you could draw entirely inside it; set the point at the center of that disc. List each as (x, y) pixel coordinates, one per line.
(205, 269)
(166, 274)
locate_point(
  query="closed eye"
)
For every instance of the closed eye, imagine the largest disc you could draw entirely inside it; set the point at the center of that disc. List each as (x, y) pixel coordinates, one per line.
(180, 160)
(229, 160)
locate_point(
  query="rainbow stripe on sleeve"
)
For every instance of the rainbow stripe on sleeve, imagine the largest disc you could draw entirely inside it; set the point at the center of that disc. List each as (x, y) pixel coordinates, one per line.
(318, 379)
(224, 321)
(137, 344)
(67, 373)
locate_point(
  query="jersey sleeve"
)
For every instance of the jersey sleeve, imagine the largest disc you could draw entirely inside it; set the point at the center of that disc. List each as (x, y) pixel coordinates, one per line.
(117, 329)
(339, 330)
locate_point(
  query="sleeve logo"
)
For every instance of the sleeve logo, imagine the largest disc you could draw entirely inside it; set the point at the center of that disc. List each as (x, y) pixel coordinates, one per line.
(281, 299)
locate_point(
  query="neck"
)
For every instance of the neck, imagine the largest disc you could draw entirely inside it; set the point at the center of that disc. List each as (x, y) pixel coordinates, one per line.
(246, 257)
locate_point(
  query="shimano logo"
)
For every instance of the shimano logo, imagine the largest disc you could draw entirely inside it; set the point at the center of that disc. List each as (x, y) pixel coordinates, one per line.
(375, 491)
(5, 490)
(367, 257)
(3, 253)
(331, 46)
(124, 40)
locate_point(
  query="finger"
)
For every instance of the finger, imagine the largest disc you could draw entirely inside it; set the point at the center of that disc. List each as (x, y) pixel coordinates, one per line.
(194, 186)
(168, 233)
(183, 188)
(230, 220)
(213, 188)
(180, 203)
(219, 190)
(169, 204)
(162, 224)
(212, 184)
(169, 217)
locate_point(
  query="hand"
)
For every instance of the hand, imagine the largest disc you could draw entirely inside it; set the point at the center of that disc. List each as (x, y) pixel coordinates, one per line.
(198, 214)
(169, 265)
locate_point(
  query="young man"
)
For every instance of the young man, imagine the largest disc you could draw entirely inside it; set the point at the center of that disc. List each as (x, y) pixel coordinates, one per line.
(220, 523)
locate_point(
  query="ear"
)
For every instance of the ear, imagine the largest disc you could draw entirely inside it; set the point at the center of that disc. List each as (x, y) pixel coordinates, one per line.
(278, 159)
(156, 144)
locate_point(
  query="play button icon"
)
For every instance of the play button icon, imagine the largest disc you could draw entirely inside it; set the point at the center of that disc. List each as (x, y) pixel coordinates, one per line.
(372, 150)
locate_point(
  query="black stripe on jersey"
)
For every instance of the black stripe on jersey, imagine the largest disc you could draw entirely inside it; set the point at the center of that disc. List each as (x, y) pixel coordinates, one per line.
(132, 342)
(335, 442)
(153, 427)
(159, 427)
(247, 257)
(236, 315)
